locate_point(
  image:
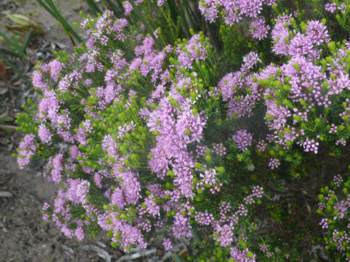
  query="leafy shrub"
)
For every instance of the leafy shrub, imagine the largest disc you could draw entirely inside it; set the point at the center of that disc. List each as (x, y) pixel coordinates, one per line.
(153, 139)
(334, 208)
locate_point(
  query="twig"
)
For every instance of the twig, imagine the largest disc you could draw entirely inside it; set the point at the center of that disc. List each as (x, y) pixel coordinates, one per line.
(5, 194)
(8, 127)
(100, 252)
(137, 255)
(68, 250)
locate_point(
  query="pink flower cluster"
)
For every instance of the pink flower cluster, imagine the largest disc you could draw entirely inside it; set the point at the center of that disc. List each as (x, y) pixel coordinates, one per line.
(27, 149)
(89, 159)
(305, 45)
(243, 139)
(334, 7)
(228, 219)
(237, 10)
(239, 89)
(308, 83)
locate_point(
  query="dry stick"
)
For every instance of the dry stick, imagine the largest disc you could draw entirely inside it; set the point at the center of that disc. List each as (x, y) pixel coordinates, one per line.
(100, 252)
(8, 127)
(5, 194)
(137, 255)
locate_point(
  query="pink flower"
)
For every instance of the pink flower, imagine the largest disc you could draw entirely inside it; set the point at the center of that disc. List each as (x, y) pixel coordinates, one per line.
(243, 139)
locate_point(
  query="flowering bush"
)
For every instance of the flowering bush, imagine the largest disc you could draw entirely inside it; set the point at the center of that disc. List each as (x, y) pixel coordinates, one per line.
(334, 208)
(153, 140)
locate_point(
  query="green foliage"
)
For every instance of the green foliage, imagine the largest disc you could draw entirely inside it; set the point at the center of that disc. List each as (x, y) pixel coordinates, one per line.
(24, 120)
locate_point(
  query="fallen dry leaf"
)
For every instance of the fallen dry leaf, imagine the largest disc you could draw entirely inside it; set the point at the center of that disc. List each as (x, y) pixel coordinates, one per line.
(3, 71)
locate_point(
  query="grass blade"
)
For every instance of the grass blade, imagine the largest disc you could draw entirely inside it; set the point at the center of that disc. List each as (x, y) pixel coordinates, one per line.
(52, 9)
(93, 7)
